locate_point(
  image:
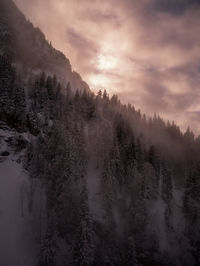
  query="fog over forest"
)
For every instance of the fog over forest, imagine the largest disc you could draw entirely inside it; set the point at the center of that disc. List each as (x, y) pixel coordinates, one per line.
(86, 180)
(146, 51)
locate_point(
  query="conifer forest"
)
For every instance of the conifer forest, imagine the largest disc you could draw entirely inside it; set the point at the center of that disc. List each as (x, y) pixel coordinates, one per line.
(85, 179)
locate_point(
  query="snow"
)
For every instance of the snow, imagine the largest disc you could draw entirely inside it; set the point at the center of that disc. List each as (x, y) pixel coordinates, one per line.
(18, 245)
(12, 178)
(168, 241)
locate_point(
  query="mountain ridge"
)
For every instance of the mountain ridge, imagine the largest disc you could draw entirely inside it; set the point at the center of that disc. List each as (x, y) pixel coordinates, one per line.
(27, 47)
(86, 180)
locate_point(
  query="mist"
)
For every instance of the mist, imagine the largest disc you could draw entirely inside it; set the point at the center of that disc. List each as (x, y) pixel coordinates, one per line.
(146, 52)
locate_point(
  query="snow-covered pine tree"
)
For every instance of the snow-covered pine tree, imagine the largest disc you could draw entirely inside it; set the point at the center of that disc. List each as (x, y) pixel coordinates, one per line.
(84, 244)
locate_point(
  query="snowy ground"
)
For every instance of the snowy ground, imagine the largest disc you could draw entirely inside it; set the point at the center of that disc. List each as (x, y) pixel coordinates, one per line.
(17, 241)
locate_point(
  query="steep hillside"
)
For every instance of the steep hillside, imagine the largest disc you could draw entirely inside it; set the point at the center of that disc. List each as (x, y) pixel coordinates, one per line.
(27, 48)
(84, 179)
(18, 223)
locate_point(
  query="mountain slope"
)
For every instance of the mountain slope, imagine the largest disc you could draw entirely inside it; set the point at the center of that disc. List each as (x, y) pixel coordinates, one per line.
(85, 180)
(27, 47)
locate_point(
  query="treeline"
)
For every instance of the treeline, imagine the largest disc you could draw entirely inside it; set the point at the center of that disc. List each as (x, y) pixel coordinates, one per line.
(139, 161)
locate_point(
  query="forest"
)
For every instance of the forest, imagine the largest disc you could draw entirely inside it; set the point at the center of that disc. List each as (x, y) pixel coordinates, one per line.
(105, 183)
(78, 142)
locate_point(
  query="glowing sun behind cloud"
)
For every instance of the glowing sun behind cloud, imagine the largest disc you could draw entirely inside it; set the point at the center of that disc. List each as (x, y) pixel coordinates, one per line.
(148, 51)
(106, 62)
(98, 80)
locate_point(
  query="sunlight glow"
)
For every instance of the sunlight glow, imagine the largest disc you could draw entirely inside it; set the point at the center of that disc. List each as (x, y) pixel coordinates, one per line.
(106, 62)
(98, 80)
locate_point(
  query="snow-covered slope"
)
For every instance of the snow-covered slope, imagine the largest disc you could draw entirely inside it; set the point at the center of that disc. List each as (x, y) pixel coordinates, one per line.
(82, 179)
(22, 203)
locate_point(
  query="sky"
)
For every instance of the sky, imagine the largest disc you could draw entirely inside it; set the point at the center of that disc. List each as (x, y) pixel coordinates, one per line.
(146, 51)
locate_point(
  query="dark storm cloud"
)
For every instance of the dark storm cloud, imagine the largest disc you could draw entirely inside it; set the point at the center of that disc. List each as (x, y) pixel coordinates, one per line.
(175, 7)
(147, 51)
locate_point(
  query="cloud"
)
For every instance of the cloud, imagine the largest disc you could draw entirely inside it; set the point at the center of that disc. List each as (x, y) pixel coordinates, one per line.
(149, 50)
(177, 7)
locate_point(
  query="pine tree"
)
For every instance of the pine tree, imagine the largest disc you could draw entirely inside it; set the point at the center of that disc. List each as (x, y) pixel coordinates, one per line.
(99, 94)
(107, 189)
(19, 108)
(166, 184)
(114, 100)
(130, 160)
(105, 96)
(50, 87)
(84, 245)
(48, 248)
(80, 167)
(140, 154)
(131, 254)
(42, 81)
(33, 122)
